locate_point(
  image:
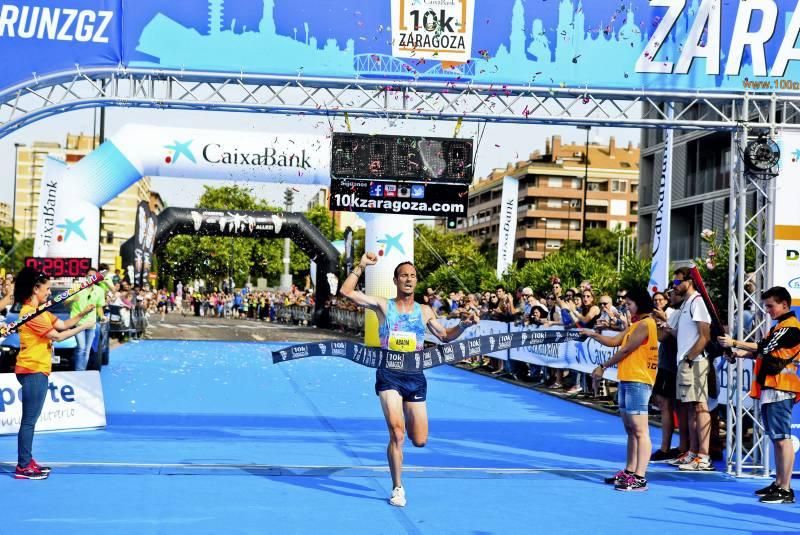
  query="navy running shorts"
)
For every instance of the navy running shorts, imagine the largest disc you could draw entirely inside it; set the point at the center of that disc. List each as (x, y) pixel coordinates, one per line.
(412, 387)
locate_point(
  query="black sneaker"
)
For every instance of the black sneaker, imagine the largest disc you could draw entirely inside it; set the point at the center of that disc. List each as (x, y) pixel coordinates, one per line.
(616, 478)
(779, 496)
(660, 456)
(632, 483)
(767, 490)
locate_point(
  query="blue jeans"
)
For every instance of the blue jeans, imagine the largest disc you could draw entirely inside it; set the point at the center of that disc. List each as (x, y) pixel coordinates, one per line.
(777, 418)
(633, 397)
(81, 355)
(34, 392)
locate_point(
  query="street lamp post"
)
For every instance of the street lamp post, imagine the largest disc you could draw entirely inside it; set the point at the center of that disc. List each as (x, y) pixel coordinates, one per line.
(14, 205)
(585, 182)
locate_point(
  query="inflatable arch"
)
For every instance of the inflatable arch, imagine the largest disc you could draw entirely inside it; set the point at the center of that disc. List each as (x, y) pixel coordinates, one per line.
(250, 224)
(142, 150)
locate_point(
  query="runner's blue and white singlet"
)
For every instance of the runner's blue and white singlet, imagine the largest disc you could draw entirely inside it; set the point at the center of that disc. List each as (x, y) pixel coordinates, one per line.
(401, 331)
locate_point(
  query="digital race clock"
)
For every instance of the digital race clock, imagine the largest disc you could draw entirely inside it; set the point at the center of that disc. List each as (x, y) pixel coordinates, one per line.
(59, 267)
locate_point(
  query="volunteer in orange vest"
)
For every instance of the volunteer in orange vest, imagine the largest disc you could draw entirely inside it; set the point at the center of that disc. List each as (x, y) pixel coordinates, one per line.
(637, 360)
(34, 361)
(776, 385)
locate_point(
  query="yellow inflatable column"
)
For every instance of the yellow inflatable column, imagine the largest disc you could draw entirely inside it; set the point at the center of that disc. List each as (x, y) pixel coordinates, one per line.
(391, 237)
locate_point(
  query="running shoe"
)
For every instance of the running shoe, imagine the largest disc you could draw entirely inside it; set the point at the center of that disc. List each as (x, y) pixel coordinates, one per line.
(661, 456)
(767, 490)
(682, 459)
(616, 478)
(29, 472)
(42, 469)
(398, 498)
(779, 495)
(575, 389)
(698, 464)
(632, 483)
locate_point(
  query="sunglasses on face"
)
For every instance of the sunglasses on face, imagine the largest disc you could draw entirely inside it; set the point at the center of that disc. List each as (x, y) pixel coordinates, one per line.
(677, 282)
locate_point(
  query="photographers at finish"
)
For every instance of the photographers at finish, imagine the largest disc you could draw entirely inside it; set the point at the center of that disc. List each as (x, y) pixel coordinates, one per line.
(776, 385)
(402, 328)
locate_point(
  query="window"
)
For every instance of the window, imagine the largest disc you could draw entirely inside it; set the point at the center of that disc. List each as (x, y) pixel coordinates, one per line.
(554, 224)
(553, 244)
(110, 236)
(554, 203)
(619, 186)
(555, 182)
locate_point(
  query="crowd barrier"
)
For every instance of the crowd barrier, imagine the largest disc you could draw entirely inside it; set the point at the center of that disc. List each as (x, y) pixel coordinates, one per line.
(299, 314)
(582, 356)
(351, 320)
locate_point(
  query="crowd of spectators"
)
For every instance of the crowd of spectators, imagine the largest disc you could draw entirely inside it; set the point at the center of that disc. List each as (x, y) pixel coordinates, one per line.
(577, 307)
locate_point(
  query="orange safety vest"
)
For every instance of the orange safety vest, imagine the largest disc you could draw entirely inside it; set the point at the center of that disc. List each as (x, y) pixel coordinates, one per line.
(782, 343)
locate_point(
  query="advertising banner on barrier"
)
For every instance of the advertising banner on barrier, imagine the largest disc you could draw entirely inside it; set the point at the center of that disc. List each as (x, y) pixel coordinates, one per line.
(581, 356)
(676, 45)
(74, 401)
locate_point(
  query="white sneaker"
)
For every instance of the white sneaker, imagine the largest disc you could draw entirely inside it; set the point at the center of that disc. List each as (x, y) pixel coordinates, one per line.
(683, 459)
(398, 498)
(698, 464)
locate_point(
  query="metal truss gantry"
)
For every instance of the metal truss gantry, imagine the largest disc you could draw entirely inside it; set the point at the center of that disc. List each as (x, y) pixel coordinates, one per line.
(404, 98)
(742, 114)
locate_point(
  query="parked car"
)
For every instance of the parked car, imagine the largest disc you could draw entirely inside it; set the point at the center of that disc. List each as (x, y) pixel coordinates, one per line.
(64, 350)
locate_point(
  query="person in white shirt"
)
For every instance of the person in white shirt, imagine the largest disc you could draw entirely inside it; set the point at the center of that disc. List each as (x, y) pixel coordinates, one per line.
(691, 326)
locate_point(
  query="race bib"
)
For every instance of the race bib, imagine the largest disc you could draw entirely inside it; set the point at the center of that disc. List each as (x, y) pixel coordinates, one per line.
(402, 341)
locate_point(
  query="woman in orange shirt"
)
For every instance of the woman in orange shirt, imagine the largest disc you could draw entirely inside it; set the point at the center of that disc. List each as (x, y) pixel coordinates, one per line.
(638, 363)
(34, 361)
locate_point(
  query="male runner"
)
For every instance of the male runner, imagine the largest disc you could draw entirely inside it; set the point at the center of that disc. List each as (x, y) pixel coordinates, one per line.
(402, 328)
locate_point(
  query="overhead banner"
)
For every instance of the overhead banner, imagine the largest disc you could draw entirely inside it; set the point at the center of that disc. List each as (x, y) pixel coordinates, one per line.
(54, 171)
(508, 225)
(47, 36)
(663, 45)
(74, 401)
(659, 267)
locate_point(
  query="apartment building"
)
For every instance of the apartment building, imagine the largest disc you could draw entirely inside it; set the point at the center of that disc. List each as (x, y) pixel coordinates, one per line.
(551, 208)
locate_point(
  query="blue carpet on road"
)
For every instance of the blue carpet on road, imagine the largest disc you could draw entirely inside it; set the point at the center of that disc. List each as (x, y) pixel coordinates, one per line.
(211, 437)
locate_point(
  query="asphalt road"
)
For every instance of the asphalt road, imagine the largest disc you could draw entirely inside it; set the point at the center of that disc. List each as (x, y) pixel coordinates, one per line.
(178, 327)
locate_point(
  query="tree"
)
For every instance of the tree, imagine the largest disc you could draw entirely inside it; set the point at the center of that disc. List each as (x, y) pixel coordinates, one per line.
(714, 268)
(215, 259)
(13, 256)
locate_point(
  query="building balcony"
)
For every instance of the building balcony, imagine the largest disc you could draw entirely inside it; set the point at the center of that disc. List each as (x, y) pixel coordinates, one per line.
(562, 193)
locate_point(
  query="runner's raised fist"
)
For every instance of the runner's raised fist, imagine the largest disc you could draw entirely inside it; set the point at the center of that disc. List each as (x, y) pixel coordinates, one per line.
(369, 259)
